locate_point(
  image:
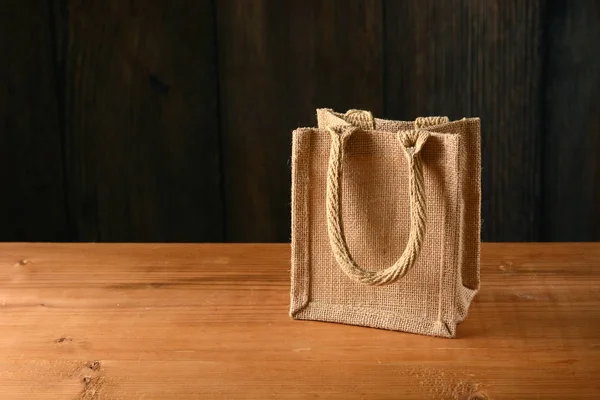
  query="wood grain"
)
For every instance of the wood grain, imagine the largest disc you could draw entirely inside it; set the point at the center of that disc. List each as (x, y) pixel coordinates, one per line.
(572, 124)
(466, 58)
(32, 204)
(142, 139)
(122, 321)
(278, 62)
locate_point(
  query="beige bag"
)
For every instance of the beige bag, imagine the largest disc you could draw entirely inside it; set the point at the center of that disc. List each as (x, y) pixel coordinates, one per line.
(386, 221)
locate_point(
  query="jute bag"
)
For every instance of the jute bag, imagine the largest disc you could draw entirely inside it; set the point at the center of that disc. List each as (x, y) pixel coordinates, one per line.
(386, 221)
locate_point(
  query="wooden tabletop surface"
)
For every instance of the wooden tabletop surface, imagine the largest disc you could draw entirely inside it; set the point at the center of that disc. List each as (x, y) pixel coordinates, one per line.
(199, 321)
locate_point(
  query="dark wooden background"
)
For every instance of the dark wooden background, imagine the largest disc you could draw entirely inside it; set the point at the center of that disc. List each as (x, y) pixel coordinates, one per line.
(170, 120)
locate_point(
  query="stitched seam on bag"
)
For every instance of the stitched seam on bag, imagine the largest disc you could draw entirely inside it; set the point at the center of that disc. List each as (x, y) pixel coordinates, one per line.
(362, 308)
(301, 230)
(322, 312)
(369, 310)
(443, 252)
(296, 234)
(307, 233)
(456, 216)
(478, 166)
(453, 269)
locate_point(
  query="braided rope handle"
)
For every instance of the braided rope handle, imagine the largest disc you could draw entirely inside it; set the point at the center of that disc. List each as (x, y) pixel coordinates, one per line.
(360, 118)
(425, 122)
(412, 142)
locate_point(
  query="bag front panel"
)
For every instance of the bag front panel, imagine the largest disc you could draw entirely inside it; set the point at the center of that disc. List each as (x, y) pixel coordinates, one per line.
(375, 214)
(469, 210)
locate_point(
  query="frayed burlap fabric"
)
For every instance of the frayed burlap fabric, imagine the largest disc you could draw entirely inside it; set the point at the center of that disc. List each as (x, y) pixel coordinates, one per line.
(386, 221)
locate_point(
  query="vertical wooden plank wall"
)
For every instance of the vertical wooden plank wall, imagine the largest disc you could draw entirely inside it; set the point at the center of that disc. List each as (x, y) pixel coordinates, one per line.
(171, 121)
(32, 198)
(278, 60)
(571, 130)
(466, 58)
(141, 137)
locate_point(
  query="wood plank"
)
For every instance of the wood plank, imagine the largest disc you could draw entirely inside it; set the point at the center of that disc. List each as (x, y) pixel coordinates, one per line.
(160, 321)
(32, 205)
(142, 139)
(278, 62)
(465, 58)
(572, 123)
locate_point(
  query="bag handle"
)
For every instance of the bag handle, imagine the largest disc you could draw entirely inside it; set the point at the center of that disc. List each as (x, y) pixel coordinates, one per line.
(426, 122)
(412, 142)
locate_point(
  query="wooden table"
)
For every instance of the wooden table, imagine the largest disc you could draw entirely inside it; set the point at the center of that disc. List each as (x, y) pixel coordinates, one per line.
(179, 321)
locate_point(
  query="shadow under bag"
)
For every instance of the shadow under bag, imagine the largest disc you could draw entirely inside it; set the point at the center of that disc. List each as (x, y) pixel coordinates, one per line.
(386, 221)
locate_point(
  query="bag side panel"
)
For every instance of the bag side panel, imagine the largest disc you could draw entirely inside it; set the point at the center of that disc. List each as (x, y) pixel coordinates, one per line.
(470, 217)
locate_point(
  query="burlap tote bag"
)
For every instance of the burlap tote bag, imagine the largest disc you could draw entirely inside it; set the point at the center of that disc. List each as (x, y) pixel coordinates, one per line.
(386, 221)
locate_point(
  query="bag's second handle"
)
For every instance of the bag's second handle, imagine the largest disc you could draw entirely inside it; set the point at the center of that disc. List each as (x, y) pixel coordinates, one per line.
(412, 142)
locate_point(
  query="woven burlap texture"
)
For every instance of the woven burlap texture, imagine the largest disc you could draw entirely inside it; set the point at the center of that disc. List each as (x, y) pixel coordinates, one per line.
(434, 293)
